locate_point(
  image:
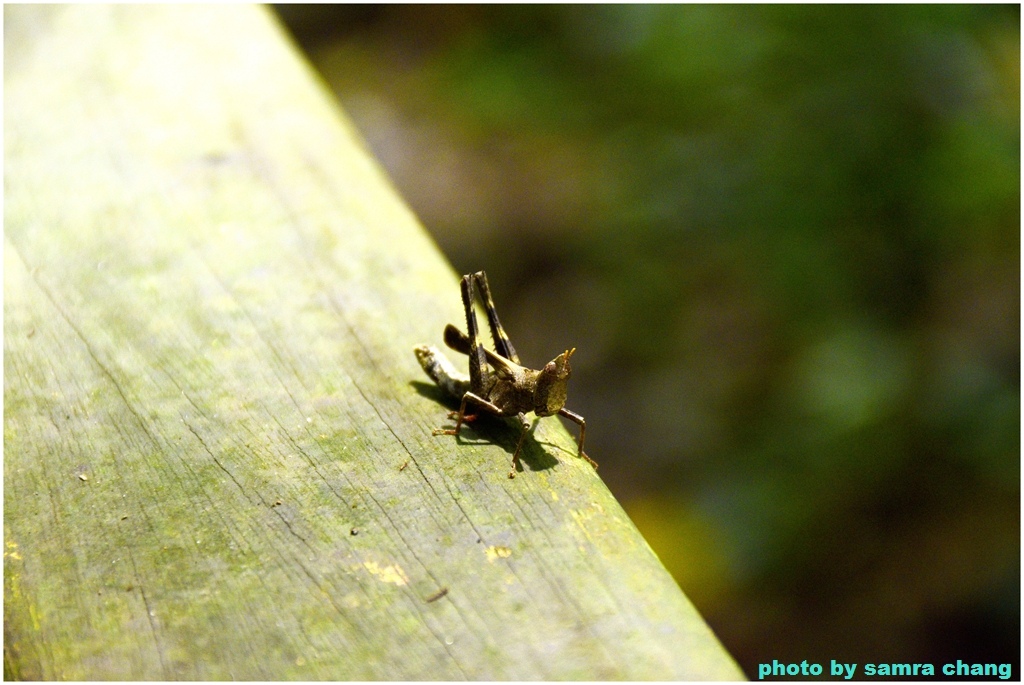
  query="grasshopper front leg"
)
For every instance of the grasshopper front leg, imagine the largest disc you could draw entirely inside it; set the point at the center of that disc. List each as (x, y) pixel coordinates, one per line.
(522, 436)
(461, 417)
(581, 422)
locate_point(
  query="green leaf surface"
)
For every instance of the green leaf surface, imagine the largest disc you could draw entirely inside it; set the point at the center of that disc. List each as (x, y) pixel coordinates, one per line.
(217, 440)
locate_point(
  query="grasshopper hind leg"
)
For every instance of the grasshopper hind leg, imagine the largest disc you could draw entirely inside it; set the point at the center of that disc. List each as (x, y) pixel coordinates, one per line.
(477, 357)
(501, 342)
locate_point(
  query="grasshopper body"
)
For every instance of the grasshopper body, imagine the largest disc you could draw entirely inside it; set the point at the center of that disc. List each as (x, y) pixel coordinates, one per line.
(497, 383)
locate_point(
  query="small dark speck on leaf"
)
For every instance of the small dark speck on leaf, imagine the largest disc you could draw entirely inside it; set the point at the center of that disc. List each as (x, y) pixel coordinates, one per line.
(83, 476)
(402, 467)
(124, 517)
(437, 595)
(214, 158)
(276, 504)
(31, 333)
(354, 531)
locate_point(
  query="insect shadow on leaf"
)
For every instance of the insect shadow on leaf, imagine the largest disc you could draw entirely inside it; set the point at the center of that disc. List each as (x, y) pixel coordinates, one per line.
(497, 383)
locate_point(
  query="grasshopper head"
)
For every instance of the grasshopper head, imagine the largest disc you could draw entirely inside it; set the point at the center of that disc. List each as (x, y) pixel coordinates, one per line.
(552, 385)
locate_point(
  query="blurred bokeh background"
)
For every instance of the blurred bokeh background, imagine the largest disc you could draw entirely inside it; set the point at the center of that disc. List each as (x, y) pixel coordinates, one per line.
(786, 241)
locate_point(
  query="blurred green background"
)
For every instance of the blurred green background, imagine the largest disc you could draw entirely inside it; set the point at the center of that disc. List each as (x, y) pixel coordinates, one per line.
(786, 241)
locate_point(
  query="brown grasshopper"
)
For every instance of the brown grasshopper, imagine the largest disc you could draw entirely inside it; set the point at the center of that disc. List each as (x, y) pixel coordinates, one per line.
(497, 384)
